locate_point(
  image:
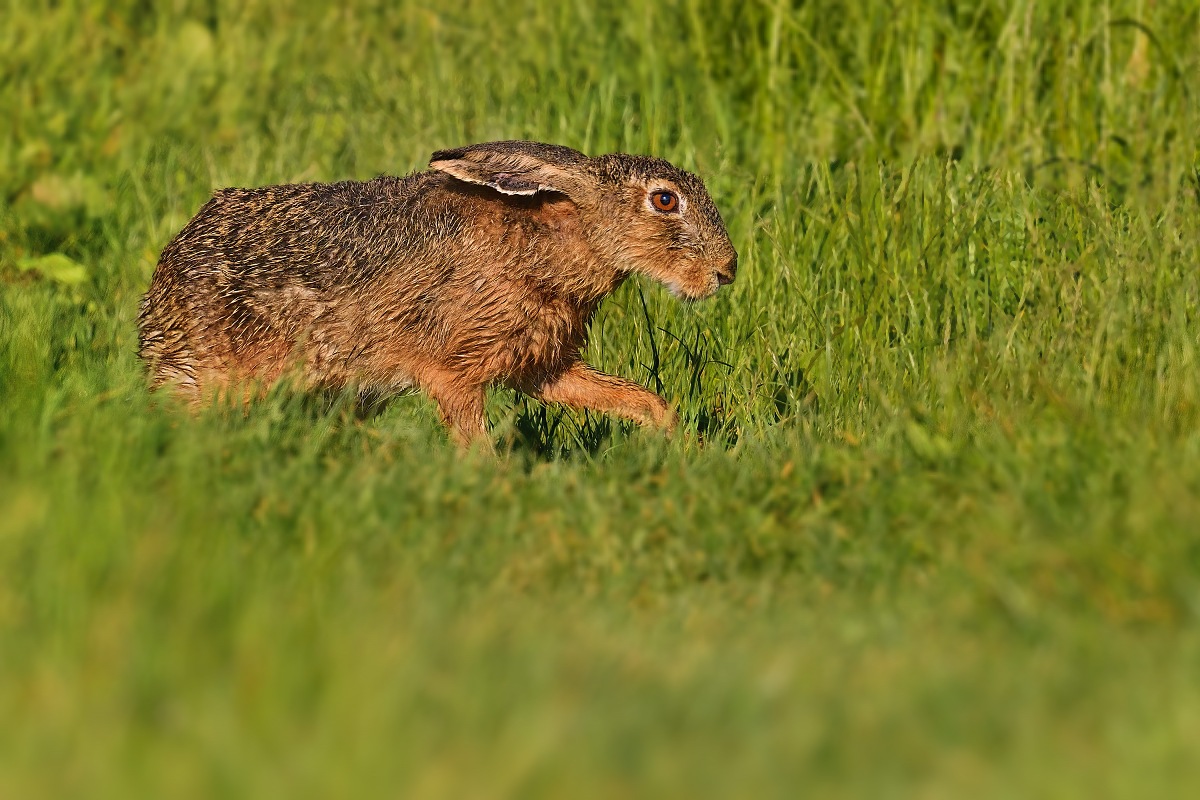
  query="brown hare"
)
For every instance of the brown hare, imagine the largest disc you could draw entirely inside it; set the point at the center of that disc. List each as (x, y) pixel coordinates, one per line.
(484, 270)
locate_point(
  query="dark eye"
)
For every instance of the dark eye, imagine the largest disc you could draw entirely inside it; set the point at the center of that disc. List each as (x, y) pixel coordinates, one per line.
(665, 201)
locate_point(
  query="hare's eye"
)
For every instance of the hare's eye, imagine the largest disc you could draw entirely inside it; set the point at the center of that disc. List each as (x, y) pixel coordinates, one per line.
(665, 201)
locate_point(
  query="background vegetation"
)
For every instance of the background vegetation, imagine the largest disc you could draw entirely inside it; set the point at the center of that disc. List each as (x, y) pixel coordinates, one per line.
(932, 528)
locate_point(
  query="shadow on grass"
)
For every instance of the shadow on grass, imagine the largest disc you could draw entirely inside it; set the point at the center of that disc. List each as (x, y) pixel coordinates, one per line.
(522, 427)
(545, 433)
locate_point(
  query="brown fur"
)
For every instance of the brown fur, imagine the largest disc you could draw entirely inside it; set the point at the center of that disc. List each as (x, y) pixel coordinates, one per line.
(485, 270)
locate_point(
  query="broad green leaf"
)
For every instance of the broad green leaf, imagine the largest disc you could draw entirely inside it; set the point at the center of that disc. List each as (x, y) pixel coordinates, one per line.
(56, 267)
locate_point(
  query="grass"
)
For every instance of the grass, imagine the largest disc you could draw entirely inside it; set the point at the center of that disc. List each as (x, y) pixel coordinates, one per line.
(931, 528)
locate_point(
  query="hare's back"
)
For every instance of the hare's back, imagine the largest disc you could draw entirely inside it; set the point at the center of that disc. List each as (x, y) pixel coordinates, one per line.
(319, 236)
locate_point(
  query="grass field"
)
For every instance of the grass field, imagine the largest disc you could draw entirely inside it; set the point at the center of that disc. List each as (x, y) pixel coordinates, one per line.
(931, 528)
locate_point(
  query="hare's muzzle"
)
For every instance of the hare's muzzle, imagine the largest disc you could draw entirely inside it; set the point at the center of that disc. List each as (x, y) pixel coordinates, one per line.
(726, 273)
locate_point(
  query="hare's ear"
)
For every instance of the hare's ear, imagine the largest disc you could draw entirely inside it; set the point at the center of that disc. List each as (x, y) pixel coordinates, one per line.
(515, 167)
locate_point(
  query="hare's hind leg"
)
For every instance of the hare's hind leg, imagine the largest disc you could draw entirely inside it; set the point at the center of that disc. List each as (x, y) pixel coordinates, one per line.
(170, 364)
(581, 386)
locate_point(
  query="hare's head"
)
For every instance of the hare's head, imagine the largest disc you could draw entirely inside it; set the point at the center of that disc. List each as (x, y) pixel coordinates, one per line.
(642, 214)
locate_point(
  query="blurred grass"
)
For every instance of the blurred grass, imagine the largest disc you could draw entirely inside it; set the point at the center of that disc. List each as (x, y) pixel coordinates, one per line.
(932, 529)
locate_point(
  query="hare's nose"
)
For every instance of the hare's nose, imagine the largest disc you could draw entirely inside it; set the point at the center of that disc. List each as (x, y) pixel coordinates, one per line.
(726, 273)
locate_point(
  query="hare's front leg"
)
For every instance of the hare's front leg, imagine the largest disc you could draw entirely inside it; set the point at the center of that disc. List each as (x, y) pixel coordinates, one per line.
(461, 408)
(581, 386)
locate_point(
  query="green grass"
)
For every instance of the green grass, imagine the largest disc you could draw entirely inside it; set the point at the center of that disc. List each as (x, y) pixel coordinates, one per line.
(932, 527)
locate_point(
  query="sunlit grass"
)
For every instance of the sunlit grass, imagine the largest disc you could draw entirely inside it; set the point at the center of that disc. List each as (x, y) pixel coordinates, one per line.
(930, 526)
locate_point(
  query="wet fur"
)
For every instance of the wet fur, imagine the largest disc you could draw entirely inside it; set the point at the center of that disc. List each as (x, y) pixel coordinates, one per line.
(428, 281)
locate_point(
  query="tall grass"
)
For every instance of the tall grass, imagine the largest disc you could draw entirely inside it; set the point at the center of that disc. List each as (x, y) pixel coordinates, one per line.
(930, 527)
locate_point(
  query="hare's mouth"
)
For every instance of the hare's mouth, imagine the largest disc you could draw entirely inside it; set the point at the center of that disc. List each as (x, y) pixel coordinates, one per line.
(692, 294)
